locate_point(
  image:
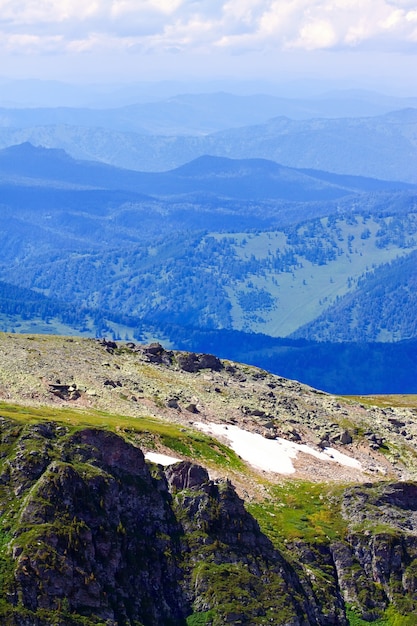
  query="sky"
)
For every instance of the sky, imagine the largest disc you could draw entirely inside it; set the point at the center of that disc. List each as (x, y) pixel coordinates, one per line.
(367, 42)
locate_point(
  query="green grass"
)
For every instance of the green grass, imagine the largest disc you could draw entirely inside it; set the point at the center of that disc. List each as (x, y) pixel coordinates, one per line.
(384, 401)
(148, 432)
(300, 510)
(390, 618)
(355, 620)
(200, 619)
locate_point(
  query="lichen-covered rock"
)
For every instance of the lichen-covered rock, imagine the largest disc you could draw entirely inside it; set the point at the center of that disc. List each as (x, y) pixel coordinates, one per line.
(95, 537)
(191, 362)
(234, 569)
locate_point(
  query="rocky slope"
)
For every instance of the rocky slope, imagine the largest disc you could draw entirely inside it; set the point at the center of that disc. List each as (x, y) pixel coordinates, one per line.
(142, 381)
(93, 534)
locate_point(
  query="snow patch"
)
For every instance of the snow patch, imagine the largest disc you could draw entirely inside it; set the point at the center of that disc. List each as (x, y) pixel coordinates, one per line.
(161, 459)
(271, 455)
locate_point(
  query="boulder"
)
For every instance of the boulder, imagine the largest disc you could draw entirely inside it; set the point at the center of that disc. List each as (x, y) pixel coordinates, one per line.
(185, 475)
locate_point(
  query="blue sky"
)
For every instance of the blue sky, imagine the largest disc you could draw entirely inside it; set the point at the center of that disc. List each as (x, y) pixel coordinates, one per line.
(368, 42)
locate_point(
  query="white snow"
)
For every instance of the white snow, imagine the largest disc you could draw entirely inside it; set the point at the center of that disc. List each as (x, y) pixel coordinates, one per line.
(271, 455)
(162, 459)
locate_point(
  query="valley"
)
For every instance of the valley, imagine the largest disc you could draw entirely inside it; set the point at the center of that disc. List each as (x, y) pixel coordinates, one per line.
(216, 246)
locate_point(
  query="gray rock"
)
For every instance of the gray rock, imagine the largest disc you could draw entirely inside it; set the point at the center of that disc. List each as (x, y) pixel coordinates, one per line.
(185, 475)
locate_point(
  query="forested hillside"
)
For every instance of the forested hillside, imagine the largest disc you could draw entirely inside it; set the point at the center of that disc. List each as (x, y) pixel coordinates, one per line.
(271, 281)
(131, 255)
(382, 308)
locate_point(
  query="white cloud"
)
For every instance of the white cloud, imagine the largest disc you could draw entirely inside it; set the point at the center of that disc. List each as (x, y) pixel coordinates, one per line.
(129, 7)
(26, 44)
(35, 12)
(392, 20)
(317, 34)
(188, 25)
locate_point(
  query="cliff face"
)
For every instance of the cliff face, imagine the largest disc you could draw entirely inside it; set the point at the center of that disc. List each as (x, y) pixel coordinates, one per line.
(377, 563)
(235, 570)
(92, 534)
(95, 538)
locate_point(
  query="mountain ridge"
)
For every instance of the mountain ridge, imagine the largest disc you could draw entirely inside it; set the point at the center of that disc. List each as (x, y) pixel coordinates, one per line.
(108, 376)
(382, 147)
(90, 529)
(201, 113)
(257, 178)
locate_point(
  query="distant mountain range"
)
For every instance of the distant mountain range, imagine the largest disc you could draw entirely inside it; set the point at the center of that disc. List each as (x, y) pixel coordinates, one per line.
(383, 147)
(183, 113)
(240, 179)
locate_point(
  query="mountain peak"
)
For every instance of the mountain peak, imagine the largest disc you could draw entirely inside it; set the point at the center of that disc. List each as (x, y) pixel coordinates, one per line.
(28, 149)
(212, 164)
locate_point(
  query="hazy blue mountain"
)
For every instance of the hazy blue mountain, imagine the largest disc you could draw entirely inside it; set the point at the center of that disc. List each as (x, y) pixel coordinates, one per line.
(35, 92)
(125, 119)
(50, 93)
(55, 93)
(244, 179)
(382, 147)
(189, 113)
(25, 162)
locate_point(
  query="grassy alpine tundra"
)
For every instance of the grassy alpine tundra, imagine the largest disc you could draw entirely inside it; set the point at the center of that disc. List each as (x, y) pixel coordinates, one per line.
(143, 486)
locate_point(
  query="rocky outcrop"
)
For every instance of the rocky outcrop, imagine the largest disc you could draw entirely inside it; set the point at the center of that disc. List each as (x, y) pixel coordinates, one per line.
(155, 353)
(185, 475)
(233, 569)
(64, 392)
(97, 536)
(191, 362)
(377, 563)
(94, 535)
(390, 503)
